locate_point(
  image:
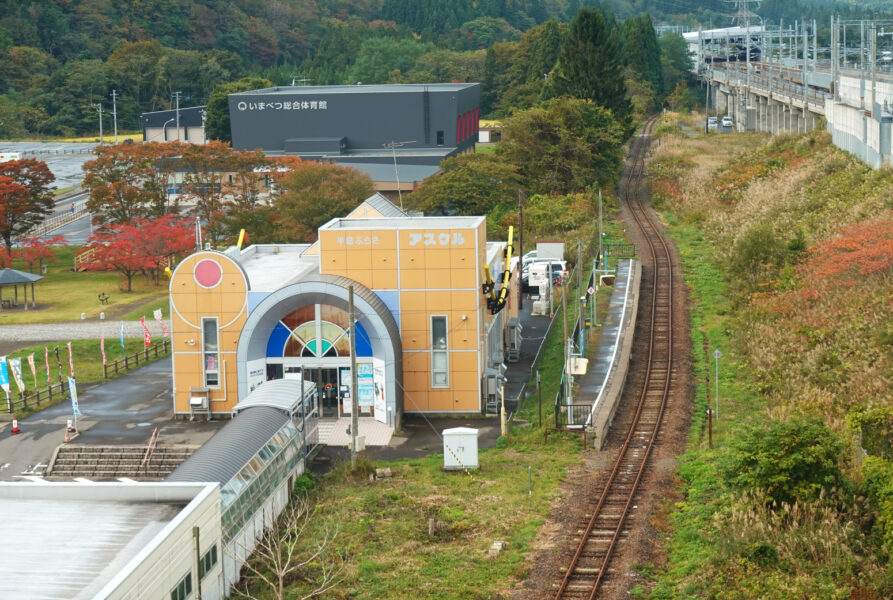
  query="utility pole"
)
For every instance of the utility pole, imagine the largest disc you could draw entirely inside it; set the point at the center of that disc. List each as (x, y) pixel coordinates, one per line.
(600, 233)
(177, 97)
(98, 106)
(717, 355)
(567, 342)
(521, 246)
(354, 404)
(115, 112)
(873, 65)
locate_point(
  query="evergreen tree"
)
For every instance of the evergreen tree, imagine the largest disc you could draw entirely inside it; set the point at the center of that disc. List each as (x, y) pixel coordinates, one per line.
(641, 51)
(589, 65)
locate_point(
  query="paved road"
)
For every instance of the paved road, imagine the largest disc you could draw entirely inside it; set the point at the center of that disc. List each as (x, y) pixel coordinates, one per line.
(124, 411)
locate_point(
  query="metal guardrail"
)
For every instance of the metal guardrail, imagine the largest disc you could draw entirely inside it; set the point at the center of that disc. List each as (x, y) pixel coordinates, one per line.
(57, 222)
(54, 152)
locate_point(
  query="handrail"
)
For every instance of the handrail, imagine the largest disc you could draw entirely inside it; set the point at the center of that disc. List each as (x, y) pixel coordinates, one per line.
(150, 450)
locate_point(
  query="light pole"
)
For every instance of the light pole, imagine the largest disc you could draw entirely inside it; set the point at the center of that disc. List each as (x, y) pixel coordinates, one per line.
(164, 128)
(177, 97)
(717, 355)
(394, 145)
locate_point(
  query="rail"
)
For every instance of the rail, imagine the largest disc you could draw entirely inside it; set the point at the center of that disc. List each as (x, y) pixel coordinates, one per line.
(133, 360)
(589, 566)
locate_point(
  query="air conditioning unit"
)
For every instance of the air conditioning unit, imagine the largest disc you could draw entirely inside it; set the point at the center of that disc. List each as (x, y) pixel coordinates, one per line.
(198, 402)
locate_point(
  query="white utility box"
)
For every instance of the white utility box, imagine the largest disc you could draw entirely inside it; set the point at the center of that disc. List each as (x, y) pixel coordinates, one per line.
(460, 449)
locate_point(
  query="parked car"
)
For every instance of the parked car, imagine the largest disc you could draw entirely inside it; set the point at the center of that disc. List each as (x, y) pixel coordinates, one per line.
(727, 121)
(712, 123)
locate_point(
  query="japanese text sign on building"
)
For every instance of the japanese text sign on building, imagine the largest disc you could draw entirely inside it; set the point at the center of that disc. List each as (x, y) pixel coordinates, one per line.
(357, 240)
(436, 239)
(242, 105)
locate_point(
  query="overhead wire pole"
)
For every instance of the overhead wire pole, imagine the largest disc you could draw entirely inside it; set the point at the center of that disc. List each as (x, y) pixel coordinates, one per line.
(115, 112)
(98, 106)
(177, 98)
(354, 404)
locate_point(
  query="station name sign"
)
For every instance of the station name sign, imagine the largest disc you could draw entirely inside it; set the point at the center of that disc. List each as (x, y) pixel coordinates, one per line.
(242, 105)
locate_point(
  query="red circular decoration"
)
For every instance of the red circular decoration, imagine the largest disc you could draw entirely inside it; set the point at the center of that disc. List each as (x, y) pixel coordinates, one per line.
(208, 273)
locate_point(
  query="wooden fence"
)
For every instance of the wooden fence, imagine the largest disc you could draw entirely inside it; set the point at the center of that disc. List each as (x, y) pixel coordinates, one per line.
(132, 361)
(60, 390)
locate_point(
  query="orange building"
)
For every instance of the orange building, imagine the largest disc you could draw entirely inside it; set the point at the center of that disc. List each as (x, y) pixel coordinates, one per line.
(426, 340)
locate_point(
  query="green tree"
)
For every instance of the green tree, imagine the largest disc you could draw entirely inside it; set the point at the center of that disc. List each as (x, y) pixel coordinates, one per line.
(566, 145)
(314, 193)
(469, 184)
(380, 57)
(642, 52)
(217, 126)
(589, 65)
(676, 62)
(788, 460)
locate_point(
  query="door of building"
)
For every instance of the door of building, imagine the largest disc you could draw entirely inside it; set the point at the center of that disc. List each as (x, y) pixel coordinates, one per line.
(326, 380)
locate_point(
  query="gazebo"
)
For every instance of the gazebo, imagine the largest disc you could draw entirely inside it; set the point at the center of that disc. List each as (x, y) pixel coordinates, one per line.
(16, 278)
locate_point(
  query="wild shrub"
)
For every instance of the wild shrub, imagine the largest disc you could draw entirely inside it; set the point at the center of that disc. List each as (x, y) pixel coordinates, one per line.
(790, 461)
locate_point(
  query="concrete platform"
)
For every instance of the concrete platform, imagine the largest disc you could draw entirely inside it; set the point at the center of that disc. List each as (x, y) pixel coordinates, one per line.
(333, 432)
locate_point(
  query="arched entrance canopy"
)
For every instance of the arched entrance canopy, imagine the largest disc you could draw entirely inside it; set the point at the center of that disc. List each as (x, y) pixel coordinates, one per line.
(371, 313)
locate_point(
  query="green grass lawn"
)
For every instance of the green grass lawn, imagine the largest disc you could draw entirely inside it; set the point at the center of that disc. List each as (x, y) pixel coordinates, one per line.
(62, 295)
(383, 540)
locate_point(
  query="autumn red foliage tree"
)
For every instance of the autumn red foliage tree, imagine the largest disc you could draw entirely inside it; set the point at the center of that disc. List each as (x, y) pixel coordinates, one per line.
(128, 181)
(138, 247)
(34, 251)
(25, 197)
(864, 249)
(6, 257)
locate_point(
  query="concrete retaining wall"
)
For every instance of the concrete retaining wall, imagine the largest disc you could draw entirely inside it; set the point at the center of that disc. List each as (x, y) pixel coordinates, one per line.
(605, 405)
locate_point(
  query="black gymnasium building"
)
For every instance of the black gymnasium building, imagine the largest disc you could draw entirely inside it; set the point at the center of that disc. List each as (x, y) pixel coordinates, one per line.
(356, 125)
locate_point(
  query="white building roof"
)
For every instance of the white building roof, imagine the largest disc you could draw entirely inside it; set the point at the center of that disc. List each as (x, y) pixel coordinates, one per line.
(71, 541)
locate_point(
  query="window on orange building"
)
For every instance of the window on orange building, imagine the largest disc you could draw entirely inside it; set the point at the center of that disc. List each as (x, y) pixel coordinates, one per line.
(440, 363)
(210, 352)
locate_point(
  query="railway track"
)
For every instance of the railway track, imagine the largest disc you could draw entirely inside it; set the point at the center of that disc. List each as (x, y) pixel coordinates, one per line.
(604, 532)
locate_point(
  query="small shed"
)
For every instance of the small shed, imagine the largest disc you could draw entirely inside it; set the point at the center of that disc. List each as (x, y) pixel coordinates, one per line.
(16, 278)
(460, 449)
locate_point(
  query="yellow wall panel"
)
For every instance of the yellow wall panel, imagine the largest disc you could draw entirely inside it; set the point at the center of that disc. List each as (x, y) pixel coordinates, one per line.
(462, 257)
(463, 278)
(415, 362)
(333, 262)
(415, 401)
(438, 302)
(415, 340)
(465, 300)
(437, 258)
(465, 380)
(414, 320)
(464, 361)
(412, 279)
(359, 258)
(384, 279)
(416, 381)
(384, 259)
(437, 279)
(412, 258)
(468, 401)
